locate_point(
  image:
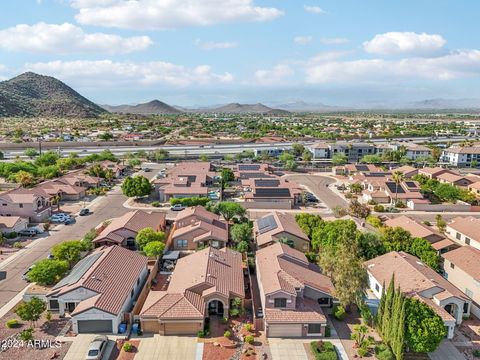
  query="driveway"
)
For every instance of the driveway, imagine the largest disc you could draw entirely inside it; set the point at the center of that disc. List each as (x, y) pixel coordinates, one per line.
(169, 348)
(287, 349)
(446, 350)
(78, 349)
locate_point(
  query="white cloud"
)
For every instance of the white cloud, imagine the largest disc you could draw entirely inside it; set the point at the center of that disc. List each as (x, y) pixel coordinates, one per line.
(67, 38)
(455, 65)
(313, 9)
(333, 41)
(395, 43)
(167, 14)
(110, 73)
(302, 40)
(273, 76)
(211, 45)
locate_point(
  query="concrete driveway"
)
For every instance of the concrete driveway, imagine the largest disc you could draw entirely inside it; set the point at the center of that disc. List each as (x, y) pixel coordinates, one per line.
(79, 347)
(446, 350)
(169, 348)
(287, 349)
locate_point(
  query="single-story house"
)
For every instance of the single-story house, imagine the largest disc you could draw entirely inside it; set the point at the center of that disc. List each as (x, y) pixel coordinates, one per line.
(10, 224)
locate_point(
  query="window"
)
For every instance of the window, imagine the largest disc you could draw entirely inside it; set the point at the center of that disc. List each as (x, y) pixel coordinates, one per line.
(280, 303)
(182, 243)
(465, 308)
(314, 328)
(215, 244)
(324, 301)
(20, 205)
(377, 287)
(452, 265)
(458, 236)
(467, 241)
(138, 281)
(131, 294)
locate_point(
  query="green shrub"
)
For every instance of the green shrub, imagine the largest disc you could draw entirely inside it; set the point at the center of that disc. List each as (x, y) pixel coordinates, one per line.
(428, 223)
(383, 352)
(227, 334)
(193, 201)
(26, 335)
(127, 347)
(249, 339)
(156, 203)
(362, 352)
(339, 313)
(372, 202)
(379, 208)
(476, 353)
(11, 235)
(17, 245)
(234, 312)
(248, 327)
(48, 315)
(400, 204)
(374, 221)
(13, 323)
(323, 350)
(328, 331)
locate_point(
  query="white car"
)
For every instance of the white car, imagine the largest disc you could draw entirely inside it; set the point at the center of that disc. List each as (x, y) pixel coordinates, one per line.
(97, 348)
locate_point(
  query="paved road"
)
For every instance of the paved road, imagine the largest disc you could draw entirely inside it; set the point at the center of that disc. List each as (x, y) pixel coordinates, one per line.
(317, 184)
(103, 208)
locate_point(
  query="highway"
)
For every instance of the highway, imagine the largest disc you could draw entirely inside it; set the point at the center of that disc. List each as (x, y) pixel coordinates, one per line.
(214, 149)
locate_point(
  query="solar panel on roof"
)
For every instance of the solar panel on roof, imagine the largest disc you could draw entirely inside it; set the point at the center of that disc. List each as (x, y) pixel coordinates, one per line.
(248, 167)
(254, 175)
(79, 270)
(394, 189)
(410, 184)
(272, 192)
(266, 223)
(361, 167)
(267, 183)
(376, 175)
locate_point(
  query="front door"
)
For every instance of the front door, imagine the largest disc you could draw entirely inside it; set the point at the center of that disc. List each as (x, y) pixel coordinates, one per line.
(70, 307)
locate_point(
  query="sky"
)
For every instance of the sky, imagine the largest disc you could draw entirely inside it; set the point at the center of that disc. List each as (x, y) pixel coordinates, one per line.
(208, 52)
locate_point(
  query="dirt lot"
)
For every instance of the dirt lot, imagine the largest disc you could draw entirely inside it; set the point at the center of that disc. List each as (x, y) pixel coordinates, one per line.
(44, 331)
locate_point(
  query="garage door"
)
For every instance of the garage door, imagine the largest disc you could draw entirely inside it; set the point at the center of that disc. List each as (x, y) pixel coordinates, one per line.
(285, 330)
(94, 326)
(182, 328)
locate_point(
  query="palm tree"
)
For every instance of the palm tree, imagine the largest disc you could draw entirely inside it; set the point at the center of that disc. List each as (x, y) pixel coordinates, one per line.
(398, 177)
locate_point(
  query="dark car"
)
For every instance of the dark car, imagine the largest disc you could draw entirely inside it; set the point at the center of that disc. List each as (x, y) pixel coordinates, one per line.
(84, 212)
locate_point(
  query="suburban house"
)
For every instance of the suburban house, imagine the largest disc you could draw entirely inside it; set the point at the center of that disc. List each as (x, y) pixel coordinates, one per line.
(10, 224)
(319, 150)
(383, 190)
(433, 173)
(117, 169)
(475, 188)
(293, 292)
(413, 151)
(457, 180)
(187, 179)
(203, 284)
(195, 227)
(252, 171)
(419, 230)
(63, 191)
(100, 289)
(123, 230)
(253, 187)
(465, 231)
(461, 268)
(33, 204)
(466, 156)
(419, 281)
(407, 171)
(79, 178)
(278, 226)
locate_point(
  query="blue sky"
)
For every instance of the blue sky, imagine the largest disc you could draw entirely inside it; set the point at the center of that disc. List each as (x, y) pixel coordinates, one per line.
(199, 52)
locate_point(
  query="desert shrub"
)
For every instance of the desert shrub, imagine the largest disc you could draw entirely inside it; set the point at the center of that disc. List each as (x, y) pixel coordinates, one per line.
(127, 347)
(26, 335)
(249, 339)
(227, 334)
(248, 327)
(17, 245)
(400, 204)
(362, 352)
(12, 323)
(10, 235)
(323, 350)
(339, 313)
(476, 353)
(379, 208)
(156, 203)
(383, 352)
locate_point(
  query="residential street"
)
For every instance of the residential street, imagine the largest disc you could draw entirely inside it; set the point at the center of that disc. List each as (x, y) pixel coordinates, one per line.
(103, 208)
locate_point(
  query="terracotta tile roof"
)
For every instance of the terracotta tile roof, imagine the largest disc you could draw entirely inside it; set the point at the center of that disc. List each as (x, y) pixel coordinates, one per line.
(55, 187)
(442, 244)
(406, 169)
(111, 273)
(217, 230)
(133, 221)
(466, 258)
(285, 223)
(434, 171)
(306, 310)
(413, 227)
(196, 276)
(452, 178)
(464, 149)
(24, 196)
(468, 226)
(412, 276)
(475, 185)
(277, 261)
(7, 222)
(198, 211)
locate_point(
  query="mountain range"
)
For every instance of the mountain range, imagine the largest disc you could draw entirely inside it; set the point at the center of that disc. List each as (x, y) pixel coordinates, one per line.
(30, 94)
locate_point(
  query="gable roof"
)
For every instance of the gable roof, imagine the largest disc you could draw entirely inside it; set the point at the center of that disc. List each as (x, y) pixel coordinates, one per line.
(284, 268)
(413, 227)
(467, 225)
(466, 258)
(278, 223)
(23, 195)
(110, 272)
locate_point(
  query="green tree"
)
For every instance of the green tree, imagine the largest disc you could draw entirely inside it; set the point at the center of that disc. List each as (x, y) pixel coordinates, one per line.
(355, 188)
(48, 271)
(447, 192)
(134, 162)
(371, 159)
(31, 153)
(358, 210)
(24, 178)
(424, 328)
(298, 149)
(423, 249)
(227, 175)
(136, 186)
(106, 136)
(309, 222)
(241, 232)
(242, 247)
(396, 239)
(47, 158)
(69, 251)
(286, 156)
(307, 156)
(370, 245)
(291, 165)
(31, 310)
(148, 235)
(203, 157)
(339, 159)
(154, 248)
(230, 210)
(397, 177)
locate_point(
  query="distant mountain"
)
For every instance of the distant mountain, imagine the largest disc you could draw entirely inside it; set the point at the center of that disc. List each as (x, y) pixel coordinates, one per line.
(154, 107)
(302, 106)
(30, 94)
(439, 104)
(236, 108)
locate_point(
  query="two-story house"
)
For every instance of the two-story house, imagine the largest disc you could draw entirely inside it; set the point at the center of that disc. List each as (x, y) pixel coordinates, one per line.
(33, 204)
(464, 231)
(293, 292)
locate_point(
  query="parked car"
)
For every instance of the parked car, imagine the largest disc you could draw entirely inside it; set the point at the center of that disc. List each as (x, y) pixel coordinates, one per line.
(69, 220)
(147, 169)
(84, 212)
(28, 232)
(178, 207)
(97, 347)
(59, 218)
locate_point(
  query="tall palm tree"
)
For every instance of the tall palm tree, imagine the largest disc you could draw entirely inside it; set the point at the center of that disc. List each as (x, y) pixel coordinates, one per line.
(398, 177)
